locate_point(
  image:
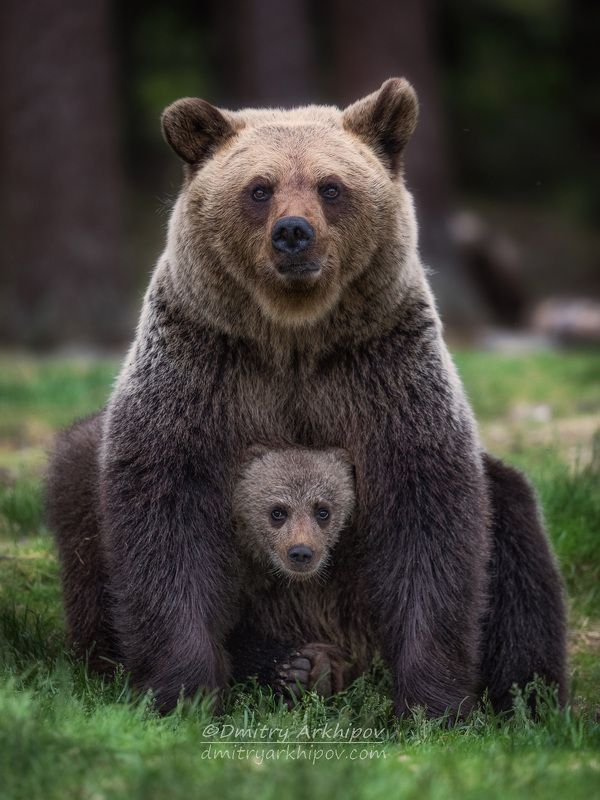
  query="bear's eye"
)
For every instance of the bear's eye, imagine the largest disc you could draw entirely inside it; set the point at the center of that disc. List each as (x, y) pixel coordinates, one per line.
(322, 514)
(278, 514)
(261, 193)
(330, 191)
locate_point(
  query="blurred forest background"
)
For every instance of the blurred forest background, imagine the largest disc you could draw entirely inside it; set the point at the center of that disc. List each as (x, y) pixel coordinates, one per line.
(504, 167)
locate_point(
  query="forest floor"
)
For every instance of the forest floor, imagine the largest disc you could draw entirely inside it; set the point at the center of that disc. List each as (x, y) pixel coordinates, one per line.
(66, 734)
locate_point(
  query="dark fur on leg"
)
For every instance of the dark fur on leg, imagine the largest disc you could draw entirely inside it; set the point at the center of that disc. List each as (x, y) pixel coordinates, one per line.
(525, 627)
(71, 509)
(255, 656)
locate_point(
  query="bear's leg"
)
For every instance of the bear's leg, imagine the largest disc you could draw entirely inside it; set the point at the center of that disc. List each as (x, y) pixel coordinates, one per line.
(71, 508)
(525, 627)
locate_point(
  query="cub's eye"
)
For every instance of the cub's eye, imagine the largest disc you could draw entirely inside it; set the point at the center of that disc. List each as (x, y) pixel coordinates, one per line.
(261, 193)
(322, 513)
(330, 191)
(278, 514)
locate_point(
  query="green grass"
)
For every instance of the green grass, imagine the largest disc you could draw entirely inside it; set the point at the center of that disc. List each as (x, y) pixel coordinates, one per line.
(66, 734)
(568, 384)
(39, 393)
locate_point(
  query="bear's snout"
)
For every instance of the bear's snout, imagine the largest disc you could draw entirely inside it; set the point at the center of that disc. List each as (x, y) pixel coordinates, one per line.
(292, 235)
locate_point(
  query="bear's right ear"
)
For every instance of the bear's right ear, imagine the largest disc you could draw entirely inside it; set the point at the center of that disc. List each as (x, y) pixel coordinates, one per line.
(385, 120)
(195, 129)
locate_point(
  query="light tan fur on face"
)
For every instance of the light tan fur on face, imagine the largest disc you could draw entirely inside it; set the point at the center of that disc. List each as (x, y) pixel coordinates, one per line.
(300, 481)
(219, 246)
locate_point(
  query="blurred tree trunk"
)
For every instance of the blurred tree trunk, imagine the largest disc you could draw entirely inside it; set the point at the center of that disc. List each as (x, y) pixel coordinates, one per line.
(61, 277)
(269, 58)
(582, 28)
(379, 39)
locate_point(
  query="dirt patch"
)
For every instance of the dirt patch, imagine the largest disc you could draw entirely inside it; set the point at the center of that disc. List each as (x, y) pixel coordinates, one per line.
(585, 637)
(572, 437)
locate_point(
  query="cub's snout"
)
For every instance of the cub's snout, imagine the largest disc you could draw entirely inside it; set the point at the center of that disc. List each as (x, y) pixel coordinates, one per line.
(300, 555)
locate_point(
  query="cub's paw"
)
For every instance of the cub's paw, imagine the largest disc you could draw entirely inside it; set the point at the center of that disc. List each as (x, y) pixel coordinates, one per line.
(314, 667)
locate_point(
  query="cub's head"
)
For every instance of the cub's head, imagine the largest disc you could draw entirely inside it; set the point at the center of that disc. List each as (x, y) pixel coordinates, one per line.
(291, 505)
(291, 205)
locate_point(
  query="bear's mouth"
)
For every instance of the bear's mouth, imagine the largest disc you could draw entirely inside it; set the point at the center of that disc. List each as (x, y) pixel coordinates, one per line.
(303, 293)
(299, 273)
(298, 572)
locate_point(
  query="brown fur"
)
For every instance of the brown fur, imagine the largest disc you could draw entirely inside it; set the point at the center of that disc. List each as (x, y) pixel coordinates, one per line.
(228, 352)
(293, 152)
(74, 479)
(299, 482)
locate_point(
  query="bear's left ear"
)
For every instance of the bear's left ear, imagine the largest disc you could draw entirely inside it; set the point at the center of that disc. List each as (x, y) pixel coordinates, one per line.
(385, 120)
(195, 128)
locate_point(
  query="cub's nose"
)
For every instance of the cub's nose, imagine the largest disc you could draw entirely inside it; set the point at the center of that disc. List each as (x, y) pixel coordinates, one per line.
(291, 235)
(300, 554)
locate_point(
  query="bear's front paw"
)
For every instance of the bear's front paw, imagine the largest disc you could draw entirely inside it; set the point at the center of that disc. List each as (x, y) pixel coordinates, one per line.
(316, 666)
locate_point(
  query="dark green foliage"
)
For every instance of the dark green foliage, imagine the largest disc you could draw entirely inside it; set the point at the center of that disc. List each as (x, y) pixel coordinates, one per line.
(510, 71)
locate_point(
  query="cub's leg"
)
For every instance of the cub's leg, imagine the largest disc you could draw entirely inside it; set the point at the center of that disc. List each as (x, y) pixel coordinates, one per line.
(71, 509)
(525, 625)
(287, 668)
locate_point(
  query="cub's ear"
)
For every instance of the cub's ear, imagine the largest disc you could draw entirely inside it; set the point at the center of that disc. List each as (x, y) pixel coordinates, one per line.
(385, 120)
(195, 129)
(253, 452)
(343, 456)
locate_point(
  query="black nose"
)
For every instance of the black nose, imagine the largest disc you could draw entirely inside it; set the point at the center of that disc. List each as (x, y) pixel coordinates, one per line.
(291, 235)
(300, 554)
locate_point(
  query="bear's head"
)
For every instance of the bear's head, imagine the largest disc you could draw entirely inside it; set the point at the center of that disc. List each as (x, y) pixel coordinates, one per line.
(290, 206)
(290, 506)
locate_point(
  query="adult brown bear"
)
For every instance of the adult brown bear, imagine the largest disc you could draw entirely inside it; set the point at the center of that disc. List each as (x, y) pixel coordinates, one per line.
(290, 307)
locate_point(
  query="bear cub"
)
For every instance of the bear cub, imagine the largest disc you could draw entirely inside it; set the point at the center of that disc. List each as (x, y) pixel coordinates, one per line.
(290, 507)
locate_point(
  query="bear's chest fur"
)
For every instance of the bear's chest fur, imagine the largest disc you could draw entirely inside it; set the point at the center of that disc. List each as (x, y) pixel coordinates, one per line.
(317, 403)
